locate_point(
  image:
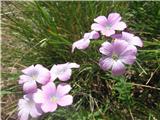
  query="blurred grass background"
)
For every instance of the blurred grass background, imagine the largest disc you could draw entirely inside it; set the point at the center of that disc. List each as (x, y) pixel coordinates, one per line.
(43, 32)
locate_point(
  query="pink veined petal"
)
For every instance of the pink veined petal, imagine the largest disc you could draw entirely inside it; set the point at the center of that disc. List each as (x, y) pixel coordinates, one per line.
(21, 103)
(136, 41)
(53, 73)
(94, 35)
(28, 70)
(63, 89)
(118, 68)
(30, 87)
(106, 49)
(73, 65)
(119, 46)
(49, 107)
(49, 89)
(65, 75)
(97, 27)
(65, 100)
(80, 44)
(113, 18)
(128, 59)
(106, 63)
(108, 32)
(39, 96)
(119, 26)
(24, 78)
(43, 74)
(101, 20)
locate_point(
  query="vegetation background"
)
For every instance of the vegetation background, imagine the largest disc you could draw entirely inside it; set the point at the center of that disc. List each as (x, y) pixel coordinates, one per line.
(43, 32)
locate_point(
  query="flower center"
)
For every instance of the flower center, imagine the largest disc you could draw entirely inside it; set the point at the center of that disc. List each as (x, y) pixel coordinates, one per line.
(115, 56)
(34, 77)
(108, 27)
(53, 99)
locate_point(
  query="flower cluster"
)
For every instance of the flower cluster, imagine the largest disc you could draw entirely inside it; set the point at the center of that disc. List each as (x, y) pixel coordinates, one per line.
(41, 94)
(120, 51)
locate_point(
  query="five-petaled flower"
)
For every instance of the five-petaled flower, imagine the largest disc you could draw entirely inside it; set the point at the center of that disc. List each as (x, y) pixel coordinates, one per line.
(107, 26)
(62, 71)
(28, 108)
(115, 55)
(84, 42)
(33, 74)
(50, 96)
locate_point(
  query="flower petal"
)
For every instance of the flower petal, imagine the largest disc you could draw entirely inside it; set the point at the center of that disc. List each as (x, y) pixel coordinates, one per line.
(63, 89)
(101, 20)
(106, 49)
(114, 18)
(23, 114)
(136, 41)
(94, 35)
(80, 44)
(24, 78)
(119, 46)
(49, 107)
(108, 32)
(97, 27)
(128, 59)
(39, 96)
(65, 100)
(106, 63)
(118, 68)
(43, 74)
(73, 65)
(49, 89)
(30, 87)
(65, 75)
(119, 26)
(34, 112)
(28, 70)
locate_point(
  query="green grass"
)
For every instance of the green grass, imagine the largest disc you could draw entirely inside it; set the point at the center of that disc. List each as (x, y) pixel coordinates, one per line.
(43, 32)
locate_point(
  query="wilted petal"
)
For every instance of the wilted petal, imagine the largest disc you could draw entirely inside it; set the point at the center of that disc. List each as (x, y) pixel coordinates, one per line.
(119, 26)
(81, 44)
(97, 27)
(101, 20)
(63, 89)
(118, 68)
(65, 100)
(30, 87)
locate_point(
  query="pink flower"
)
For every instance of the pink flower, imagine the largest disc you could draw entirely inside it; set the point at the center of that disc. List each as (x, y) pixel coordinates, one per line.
(107, 26)
(50, 96)
(28, 108)
(115, 55)
(84, 42)
(32, 75)
(130, 38)
(62, 71)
